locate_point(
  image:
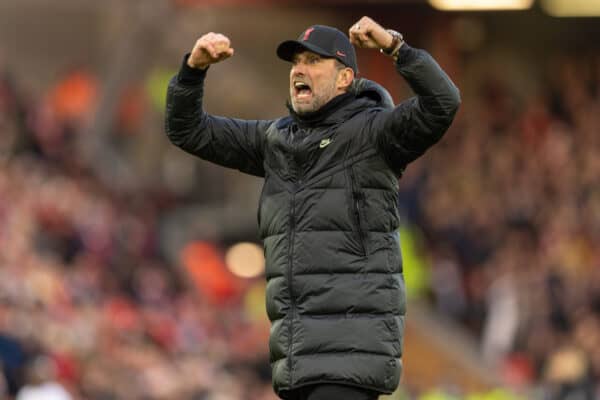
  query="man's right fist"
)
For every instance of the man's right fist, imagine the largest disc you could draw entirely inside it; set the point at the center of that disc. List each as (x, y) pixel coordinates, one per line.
(209, 49)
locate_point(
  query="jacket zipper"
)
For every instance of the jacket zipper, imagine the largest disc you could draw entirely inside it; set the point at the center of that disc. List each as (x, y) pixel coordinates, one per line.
(291, 289)
(292, 228)
(361, 234)
(356, 201)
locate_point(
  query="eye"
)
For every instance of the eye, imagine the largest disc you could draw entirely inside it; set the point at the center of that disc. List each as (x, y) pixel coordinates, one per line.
(296, 60)
(308, 60)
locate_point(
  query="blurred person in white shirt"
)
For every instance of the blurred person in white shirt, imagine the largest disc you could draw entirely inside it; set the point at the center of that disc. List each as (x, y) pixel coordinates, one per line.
(41, 383)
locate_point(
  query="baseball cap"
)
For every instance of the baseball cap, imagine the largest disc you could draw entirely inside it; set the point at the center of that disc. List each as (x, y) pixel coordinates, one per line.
(323, 40)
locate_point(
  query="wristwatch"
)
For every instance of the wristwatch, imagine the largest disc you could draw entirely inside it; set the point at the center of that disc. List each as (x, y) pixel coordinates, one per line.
(397, 41)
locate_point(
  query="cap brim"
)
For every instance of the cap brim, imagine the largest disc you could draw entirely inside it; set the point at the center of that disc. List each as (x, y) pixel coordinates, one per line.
(287, 49)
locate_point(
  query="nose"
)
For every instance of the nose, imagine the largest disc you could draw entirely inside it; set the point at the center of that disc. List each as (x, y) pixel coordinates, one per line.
(298, 69)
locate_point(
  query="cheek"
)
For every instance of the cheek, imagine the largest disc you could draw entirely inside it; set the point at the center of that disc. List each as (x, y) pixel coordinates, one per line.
(326, 81)
(319, 81)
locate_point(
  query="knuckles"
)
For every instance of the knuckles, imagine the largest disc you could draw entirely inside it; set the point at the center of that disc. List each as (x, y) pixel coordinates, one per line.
(212, 47)
(211, 41)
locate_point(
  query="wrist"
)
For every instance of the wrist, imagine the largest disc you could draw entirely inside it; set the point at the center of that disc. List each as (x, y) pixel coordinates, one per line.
(196, 66)
(190, 75)
(396, 43)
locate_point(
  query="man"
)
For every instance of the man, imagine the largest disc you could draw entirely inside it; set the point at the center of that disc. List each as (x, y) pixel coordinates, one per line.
(328, 211)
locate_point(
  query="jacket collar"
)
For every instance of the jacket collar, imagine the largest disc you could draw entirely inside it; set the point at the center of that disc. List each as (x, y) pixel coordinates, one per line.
(321, 115)
(363, 94)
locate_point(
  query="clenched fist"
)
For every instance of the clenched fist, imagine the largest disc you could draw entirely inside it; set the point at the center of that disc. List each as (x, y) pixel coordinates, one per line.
(367, 33)
(210, 49)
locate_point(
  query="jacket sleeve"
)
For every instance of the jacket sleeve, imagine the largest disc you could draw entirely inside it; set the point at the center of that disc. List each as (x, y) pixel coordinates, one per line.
(404, 133)
(230, 142)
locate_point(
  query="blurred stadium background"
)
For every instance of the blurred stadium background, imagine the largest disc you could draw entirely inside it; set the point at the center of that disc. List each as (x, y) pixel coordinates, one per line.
(130, 270)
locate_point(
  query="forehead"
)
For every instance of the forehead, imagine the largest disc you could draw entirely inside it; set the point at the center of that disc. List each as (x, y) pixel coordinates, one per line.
(303, 54)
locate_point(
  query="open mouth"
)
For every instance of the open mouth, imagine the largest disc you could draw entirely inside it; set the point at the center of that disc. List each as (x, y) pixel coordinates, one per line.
(302, 90)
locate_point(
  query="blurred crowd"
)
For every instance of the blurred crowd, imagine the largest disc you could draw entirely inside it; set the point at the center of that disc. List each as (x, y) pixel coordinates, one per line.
(89, 307)
(509, 206)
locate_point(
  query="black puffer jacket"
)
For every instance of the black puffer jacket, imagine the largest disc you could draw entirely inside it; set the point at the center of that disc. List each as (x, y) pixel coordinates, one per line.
(328, 216)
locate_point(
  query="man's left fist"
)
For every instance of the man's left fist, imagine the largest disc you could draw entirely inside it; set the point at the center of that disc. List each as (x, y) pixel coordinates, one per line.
(368, 34)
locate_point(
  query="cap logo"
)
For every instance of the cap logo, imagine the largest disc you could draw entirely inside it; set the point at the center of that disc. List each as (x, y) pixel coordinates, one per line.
(339, 53)
(307, 33)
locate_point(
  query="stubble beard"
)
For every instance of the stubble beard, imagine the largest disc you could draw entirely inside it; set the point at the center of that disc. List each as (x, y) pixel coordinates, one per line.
(318, 100)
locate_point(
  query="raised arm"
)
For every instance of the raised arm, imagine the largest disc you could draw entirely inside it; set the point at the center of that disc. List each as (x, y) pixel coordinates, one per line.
(230, 142)
(407, 131)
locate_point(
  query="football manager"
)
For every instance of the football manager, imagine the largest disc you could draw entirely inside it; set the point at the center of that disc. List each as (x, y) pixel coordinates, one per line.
(328, 212)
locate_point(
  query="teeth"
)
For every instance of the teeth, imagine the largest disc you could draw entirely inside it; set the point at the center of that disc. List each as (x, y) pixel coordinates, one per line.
(300, 85)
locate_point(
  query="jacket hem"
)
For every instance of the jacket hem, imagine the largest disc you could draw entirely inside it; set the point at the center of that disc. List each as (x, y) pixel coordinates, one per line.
(330, 381)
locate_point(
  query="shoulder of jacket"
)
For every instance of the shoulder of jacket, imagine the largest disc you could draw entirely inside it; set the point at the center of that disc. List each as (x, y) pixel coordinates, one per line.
(283, 122)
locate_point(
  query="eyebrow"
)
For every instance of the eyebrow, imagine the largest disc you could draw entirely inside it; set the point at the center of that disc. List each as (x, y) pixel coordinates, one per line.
(309, 56)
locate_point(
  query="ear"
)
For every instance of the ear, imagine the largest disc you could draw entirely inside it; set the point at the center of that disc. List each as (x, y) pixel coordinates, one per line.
(345, 78)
